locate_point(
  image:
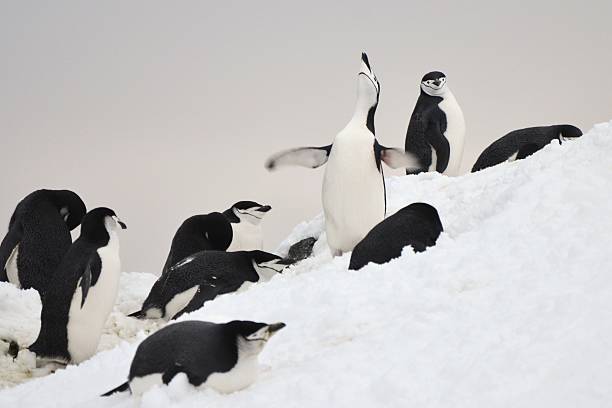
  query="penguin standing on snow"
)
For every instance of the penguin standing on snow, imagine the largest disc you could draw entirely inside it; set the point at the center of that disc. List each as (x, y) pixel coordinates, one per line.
(417, 225)
(82, 292)
(223, 357)
(245, 218)
(38, 237)
(202, 276)
(522, 143)
(437, 128)
(353, 186)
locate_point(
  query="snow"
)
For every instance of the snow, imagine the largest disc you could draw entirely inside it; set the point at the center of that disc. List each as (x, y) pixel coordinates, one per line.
(512, 307)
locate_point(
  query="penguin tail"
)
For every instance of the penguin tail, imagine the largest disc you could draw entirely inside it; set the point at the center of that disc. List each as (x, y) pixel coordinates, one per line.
(139, 314)
(122, 388)
(13, 348)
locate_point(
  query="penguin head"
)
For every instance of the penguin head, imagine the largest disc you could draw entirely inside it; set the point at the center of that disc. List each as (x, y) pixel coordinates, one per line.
(568, 132)
(434, 83)
(250, 211)
(267, 265)
(369, 87)
(70, 206)
(99, 224)
(251, 337)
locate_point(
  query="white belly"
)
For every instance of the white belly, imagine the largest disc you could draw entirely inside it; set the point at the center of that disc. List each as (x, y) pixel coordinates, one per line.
(11, 267)
(179, 302)
(513, 157)
(246, 237)
(85, 324)
(353, 190)
(455, 132)
(238, 378)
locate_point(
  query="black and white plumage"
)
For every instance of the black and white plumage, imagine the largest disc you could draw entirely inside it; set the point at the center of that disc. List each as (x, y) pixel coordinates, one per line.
(417, 225)
(82, 292)
(437, 128)
(354, 198)
(245, 219)
(38, 237)
(204, 275)
(521, 143)
(223, 357)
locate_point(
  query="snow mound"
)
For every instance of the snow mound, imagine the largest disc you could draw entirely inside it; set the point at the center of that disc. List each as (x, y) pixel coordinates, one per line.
(511, 307)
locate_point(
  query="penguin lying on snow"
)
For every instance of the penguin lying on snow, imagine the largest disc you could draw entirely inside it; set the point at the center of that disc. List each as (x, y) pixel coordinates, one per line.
(236, 229)
(353, 194)
(82, 292)
(38, 237)
(417, 225)
(202, 276)
(223, 357)
(521, 143)
(437, 128)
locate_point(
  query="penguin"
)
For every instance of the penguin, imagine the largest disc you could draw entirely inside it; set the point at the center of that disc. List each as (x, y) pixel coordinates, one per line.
(354, 197)
(301, 249)
(202, 276)
(236, 229)
(38, 237)
(245, 218)
(522, 143)
(223, 356)
(82, 292)
(436, 129)
(417, 225)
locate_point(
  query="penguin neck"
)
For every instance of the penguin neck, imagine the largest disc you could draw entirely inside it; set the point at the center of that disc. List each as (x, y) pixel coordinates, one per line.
(364, 114)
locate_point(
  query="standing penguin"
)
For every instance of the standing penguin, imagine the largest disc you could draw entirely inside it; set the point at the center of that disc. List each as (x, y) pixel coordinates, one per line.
(437, 128)
(202, 277)
(223, 357)
(354, 198)
(38, 237)
(521, 143)
(417, 225)
(245, 218)
(82, 292)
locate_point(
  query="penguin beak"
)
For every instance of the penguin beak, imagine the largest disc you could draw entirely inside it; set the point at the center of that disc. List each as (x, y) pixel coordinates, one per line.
(437, 82)
(122, 224)
(273, 328)
(264, 208)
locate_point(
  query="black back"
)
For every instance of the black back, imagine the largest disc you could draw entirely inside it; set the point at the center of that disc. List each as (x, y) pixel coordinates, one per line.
(199, 233)
(417, 224)
(195, 348)
(425, 131)
(42, 235)
(216, 272)
(81, 261)
(524, 142)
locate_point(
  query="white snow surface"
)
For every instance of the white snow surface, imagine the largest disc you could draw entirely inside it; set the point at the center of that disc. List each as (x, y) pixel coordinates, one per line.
(511, 308)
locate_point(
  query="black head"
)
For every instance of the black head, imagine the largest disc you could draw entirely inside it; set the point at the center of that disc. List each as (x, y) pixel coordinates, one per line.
(99, 223)
(69, 205)
(248, 211)
(266, 264)
(253, 331)
(434, 83)
(568, 132)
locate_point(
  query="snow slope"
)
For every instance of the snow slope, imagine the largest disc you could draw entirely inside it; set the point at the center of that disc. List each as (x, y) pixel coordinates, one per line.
(512, 307)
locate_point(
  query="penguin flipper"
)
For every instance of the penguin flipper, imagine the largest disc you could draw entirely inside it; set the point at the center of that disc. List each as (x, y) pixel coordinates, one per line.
(90, 276)
(122, 388)
(527, 150)
(441, 146)
(311, 157)
(395, 158)
(7, 248)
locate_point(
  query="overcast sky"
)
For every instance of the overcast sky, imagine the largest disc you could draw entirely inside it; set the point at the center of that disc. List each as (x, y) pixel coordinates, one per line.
(162, 110)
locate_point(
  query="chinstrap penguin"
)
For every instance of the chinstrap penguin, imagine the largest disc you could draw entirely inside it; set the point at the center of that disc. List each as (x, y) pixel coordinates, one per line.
(354, 198)
(245, 218)
(436, 130)
(202, 277)
(38, 237)
(223, 357)
(522, 143)
(417, 225)
(82, 292)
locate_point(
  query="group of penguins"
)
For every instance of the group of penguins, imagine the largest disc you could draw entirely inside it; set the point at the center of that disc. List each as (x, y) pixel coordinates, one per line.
(221, 252)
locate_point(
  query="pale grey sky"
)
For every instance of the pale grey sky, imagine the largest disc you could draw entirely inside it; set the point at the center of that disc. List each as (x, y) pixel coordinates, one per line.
(162, 110)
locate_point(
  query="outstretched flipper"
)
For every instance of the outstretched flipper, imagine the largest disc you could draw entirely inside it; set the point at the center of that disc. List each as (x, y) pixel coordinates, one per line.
(395, 158)
(122, 388)
(7, 248)
(441, 146)
(311, 157)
